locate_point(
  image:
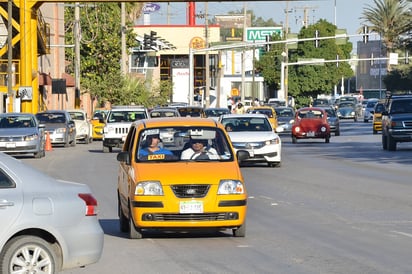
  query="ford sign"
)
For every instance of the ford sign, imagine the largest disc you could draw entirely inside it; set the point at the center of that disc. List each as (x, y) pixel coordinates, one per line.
(150, 7)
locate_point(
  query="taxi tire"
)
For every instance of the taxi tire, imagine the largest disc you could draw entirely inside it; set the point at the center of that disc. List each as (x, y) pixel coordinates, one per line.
(123, 221)
(134, 233)
(240, 231)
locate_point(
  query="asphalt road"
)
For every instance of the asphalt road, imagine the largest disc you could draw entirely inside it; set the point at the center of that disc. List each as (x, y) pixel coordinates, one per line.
(342, 207)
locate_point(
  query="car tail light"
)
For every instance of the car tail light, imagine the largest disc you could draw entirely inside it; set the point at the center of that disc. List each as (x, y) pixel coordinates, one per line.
(91, 203)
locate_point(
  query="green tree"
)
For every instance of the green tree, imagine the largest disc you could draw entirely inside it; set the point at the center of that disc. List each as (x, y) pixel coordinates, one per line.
(311, 80)
(100, 50)
(390, 19)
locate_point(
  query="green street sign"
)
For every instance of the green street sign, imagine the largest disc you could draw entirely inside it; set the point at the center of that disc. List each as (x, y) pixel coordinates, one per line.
(260, 33)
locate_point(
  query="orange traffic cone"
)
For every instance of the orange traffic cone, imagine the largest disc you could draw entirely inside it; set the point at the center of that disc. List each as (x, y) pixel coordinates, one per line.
(48, 146)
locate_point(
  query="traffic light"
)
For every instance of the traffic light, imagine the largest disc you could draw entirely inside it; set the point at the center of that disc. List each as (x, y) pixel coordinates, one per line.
(153, 38)
(316, 39)
(365, 34)
(147, 42)
(267, 47)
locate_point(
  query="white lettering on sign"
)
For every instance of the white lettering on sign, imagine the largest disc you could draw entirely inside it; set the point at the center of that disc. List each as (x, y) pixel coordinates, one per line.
(259, 34)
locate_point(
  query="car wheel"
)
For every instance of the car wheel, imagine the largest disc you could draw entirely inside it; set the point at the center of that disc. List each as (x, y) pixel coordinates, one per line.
(294, 139)
(134, 233)
(391, 143)
(123, 221)
(337, 132)
(375, 132)
(73, 144)
(365, 120)
(30, 254)
(274, 164)
(240, 231)
(327, 139)
(86, 140)
(38, 155)
(384, 142)
(106, 149)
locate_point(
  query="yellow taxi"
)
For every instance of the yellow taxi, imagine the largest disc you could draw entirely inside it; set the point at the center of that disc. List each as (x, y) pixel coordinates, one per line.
(268, 111)
(170, 185)
(377, 117)
(99, 116)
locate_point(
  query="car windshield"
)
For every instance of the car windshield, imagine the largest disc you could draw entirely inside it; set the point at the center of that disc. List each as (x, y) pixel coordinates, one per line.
(346, 105)
(310, 114)
(236, 124)
(284, 112)
(330, 112)
(77, 116)
(125, 116)
(371, 104)
(401, 106)
(216, 112)
(267, 112)
(51, 118)
(165, 144)
(16, 122)
(190, 111)
(163, 113)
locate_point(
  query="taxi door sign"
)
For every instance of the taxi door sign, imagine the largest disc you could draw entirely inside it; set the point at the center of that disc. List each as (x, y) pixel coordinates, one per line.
(234, 92)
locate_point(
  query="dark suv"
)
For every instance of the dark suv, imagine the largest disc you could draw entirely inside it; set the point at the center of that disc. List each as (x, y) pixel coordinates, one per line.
(397, 121)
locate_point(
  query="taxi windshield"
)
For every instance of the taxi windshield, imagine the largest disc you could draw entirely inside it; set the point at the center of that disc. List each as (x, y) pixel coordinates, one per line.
(167, 144)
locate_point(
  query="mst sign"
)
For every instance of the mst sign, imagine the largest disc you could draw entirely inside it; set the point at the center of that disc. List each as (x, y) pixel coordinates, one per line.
(260, 33)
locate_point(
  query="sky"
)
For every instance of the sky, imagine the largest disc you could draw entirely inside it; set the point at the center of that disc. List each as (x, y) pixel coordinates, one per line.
(346, 13)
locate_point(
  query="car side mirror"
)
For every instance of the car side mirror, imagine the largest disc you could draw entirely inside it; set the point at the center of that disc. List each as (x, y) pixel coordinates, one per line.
(242, 155)
(123, 157)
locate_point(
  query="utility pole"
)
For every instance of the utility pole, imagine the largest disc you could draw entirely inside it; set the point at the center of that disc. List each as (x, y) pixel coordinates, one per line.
(243, 89)
(286, 56)
(11, 95)
(123, 38)
(77, 49)
(207, 63)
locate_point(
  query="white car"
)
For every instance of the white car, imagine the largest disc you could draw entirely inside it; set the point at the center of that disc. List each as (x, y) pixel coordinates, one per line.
(254, 134)
(47, 225)
(84, 129)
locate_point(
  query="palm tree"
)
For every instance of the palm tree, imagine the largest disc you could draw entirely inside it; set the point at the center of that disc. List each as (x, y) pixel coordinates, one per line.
(389, 18)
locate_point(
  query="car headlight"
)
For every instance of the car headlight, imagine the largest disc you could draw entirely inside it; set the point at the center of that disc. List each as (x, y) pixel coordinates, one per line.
(149, 188)
(231, 187)
(274, 141)
(31, 137)
(297, 129)
(323, 129)
(61, 130)
(352, 113)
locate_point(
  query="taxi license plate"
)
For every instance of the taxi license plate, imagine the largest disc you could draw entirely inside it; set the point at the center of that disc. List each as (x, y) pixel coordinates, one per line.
(191, 207)
(311, 134)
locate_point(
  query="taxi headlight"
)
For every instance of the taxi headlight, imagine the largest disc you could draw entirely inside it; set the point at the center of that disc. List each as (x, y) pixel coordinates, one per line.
(148, 188)
(231, 187)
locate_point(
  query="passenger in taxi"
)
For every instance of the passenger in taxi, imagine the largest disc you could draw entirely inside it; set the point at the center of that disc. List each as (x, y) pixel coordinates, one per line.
(200, 150)
(152, 146)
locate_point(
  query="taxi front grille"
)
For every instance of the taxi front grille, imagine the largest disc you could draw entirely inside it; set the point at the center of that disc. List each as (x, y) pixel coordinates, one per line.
(190, 191)
(220, 216)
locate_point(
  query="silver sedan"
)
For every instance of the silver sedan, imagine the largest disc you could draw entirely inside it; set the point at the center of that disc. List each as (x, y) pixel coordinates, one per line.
(48, 225)
(20, 133)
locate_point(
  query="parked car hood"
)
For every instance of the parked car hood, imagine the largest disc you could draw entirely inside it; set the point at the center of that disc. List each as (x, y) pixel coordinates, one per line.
(7, 132)
(248, 136)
